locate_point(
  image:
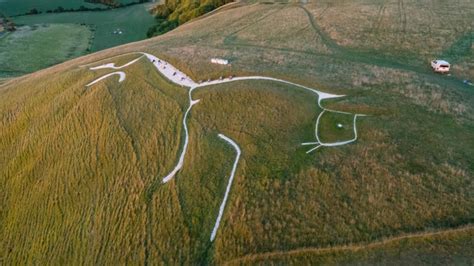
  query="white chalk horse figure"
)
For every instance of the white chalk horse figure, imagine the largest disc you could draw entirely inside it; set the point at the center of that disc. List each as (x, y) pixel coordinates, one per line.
(176, 76)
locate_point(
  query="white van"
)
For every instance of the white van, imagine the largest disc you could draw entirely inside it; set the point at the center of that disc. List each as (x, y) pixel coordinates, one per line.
(440, 66)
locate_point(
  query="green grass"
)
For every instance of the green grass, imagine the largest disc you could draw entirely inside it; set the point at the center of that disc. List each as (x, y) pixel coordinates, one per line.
(81, 167)
(32, 48)
(122, 139)
(48, 39)
(17, 7)
(329, 130)
(133, 21)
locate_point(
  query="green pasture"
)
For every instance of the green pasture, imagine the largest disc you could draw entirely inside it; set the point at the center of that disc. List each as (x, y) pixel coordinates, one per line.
(17, 7)
(47, 39)
(133, 21)
(34, 47)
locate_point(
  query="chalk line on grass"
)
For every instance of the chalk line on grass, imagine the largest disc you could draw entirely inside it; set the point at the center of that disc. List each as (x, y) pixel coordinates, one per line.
(120, 73)
(229, 184)
(170, 72)
(178, 77)
(112, 65)
(319, 143)
(180, 163)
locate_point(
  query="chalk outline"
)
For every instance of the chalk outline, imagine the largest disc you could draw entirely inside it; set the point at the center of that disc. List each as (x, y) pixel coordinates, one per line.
(229, 184)
(178, 77)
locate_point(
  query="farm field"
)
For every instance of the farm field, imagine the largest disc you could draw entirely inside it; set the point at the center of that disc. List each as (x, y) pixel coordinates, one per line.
(70, 35)
(31, 48)
(82, 167)
(18, 7)
(134, 21)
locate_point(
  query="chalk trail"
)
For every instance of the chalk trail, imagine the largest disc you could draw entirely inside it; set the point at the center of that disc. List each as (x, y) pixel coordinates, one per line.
(112, 65)
(120, 73)
(229, 184)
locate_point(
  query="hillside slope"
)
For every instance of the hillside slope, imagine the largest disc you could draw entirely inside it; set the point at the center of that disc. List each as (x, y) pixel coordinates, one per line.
(82, 167)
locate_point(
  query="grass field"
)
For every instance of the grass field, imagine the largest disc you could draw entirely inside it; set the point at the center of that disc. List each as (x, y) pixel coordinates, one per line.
(134, 21)
(18, 7)
(31, 48)
(48, 39)
(431, 248)
(82, 167)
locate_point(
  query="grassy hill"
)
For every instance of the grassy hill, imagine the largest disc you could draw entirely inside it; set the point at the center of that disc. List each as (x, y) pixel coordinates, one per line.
(81, 167)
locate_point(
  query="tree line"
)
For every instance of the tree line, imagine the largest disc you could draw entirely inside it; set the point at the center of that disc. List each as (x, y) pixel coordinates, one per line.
(173, 13)
(111, 4)
(114, 3)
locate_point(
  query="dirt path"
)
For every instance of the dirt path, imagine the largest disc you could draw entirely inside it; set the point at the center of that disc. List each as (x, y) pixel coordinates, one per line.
(355, 247)
(350, 54)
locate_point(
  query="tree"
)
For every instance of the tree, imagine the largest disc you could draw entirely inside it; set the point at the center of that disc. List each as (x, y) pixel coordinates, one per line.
(33, 11)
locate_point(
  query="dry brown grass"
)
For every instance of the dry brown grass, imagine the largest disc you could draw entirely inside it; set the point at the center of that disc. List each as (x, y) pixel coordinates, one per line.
(400, 249)
(415, 31)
